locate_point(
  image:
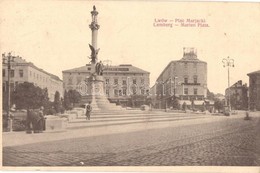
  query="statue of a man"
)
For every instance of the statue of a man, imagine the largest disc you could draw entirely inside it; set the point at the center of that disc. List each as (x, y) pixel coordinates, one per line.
(99, 68)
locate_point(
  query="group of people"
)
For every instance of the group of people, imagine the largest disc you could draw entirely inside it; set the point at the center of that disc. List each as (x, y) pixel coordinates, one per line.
(35, 120)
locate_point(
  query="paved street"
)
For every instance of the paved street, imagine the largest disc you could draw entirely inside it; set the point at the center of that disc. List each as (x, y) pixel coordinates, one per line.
(164, 139)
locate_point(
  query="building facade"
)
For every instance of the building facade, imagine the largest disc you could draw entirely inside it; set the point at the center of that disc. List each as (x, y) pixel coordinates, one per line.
(121, 82)
(23, 71)
(238, 96)
(254, 90)
(185, 79)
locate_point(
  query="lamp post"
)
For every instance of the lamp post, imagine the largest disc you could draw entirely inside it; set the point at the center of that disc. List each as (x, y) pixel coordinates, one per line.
(8, 59)
(227, 62)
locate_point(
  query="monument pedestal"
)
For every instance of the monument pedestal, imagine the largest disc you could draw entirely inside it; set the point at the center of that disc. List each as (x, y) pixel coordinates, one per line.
(97, 97)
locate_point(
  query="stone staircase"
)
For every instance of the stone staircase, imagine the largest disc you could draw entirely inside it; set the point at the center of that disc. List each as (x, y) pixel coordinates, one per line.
(100, 103)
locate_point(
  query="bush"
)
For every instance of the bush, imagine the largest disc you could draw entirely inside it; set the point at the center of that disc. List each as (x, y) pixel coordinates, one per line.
(19, 125)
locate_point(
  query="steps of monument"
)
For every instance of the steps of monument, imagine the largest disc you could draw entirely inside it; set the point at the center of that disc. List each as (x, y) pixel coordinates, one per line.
(106, 120)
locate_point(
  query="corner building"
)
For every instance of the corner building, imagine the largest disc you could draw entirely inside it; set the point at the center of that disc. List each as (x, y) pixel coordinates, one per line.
(254, 90)
(185, 79)
(23, 71)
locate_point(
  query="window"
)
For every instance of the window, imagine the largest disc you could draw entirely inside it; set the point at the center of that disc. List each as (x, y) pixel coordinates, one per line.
(195, 91)
(107, 92)
(89, 68)
(142, 81)
(194, 65)
(186, 91)
(70, 81)
(185, 65)
(107, 81)
(11, 86)
(116, 92)
(4, 89)
(3, 72)
(78, 80)
(142, 91)
(186, 80)
(120, 92)
(134, 81)
(30, 73)
(124, 92)
(115, 81)
(12, 73)
(124, 82)
(21, 73)
(195, 79)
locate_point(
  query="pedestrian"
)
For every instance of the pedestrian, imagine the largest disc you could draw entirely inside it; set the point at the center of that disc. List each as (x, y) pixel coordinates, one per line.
(29, 121)
(88, 111)
(41, 120)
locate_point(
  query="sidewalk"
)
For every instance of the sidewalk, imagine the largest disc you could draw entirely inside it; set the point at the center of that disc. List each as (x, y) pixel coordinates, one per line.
(21, 138)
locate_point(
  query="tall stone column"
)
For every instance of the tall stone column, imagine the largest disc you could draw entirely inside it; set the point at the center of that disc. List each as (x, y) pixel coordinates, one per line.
(94, 28)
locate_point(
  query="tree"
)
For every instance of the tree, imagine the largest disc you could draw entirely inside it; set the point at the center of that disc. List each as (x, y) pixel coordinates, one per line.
(210, 95)
(57, 102)
(27, 96)
(74, 96)
(66, 101)
(175, 103)
(219, 105)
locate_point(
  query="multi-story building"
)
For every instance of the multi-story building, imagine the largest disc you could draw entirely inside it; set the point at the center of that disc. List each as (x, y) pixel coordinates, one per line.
(185, 78)
(23, 71)
(254, 90)
(238, 96)
(121, 81)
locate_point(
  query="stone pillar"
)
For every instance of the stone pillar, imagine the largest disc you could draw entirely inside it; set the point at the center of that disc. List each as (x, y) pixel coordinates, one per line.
(94, 27)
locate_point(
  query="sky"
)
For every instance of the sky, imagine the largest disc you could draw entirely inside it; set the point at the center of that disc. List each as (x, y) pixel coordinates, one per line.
(54, 35)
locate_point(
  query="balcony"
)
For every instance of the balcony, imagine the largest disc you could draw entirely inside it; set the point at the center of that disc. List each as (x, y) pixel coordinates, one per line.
(190, 83)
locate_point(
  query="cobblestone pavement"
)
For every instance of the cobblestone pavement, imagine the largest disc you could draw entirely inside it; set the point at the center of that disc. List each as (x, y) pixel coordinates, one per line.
(229, 142)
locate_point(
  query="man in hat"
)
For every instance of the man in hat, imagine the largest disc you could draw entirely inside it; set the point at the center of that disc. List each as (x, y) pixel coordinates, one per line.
(88, 111)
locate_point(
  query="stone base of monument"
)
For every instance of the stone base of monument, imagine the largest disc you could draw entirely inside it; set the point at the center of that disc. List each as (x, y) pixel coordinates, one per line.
(55, 123)
(97, 97)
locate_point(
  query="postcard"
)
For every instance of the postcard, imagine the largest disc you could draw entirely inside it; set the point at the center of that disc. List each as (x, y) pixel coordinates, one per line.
(130, 86)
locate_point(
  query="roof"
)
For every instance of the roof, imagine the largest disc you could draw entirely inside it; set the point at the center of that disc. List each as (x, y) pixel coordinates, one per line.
(254, 73)
(181, 60)
(123, 68)
(20, 60)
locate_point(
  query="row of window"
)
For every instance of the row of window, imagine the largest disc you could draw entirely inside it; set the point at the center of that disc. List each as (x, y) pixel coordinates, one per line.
(21, 75)
(124, 82)
(195, 79)
(123, 92)
(186, 65)
(38, 77)
(186, 91)
(122, 74)
(12, 73)
(115, 81)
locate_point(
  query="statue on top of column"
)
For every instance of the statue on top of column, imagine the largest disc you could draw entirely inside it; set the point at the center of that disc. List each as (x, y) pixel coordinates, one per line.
(94, 53)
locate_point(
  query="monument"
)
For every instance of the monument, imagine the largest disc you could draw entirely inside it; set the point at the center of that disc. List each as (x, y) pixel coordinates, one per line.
(95, 82)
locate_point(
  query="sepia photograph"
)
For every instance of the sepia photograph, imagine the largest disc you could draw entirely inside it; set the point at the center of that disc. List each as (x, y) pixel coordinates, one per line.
(130, 85)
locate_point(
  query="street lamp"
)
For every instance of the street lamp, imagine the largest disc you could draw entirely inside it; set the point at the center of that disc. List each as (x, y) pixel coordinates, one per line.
(8, 59)
(227, 62)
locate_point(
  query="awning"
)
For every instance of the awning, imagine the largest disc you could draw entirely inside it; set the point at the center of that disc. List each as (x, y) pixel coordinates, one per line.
(199, 102)
(188, 102)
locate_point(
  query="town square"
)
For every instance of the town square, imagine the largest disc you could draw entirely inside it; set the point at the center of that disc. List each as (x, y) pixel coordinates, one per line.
(102, 86)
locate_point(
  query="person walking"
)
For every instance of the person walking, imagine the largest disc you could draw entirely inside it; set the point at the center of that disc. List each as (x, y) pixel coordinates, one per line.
(88, 111)
(41, 120)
